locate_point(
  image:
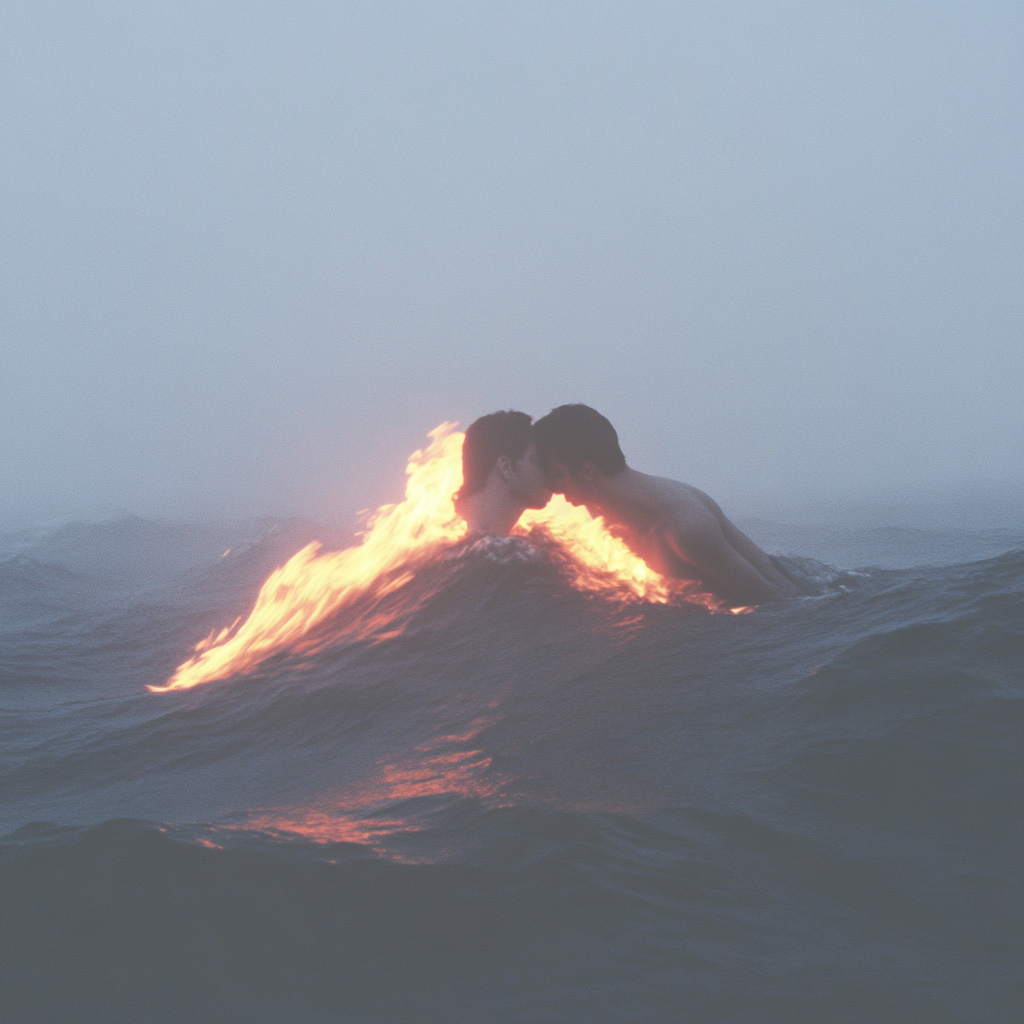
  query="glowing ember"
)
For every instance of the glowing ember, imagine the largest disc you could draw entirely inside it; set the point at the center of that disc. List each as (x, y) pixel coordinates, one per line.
(312, 586)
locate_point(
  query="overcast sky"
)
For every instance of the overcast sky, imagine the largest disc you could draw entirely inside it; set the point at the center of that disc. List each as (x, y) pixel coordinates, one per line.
(253, 251)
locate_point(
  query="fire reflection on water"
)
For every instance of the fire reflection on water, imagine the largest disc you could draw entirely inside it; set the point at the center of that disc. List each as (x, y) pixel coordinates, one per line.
(352, 816)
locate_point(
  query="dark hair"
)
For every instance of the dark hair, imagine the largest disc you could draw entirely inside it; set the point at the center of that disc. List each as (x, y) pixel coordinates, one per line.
(487, 439)
(574, 434)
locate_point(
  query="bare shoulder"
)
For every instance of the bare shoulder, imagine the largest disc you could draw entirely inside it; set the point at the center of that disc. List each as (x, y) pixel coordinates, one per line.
(694, 524)
(683, 505)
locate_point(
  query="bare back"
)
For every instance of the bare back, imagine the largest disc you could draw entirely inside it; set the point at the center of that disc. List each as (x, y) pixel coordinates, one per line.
(682, 533)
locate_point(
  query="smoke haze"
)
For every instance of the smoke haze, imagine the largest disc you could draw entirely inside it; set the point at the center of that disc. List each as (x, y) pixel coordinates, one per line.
(254, 252)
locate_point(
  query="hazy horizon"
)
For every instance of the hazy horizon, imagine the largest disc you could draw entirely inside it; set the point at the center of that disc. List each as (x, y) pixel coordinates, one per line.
(255, 252)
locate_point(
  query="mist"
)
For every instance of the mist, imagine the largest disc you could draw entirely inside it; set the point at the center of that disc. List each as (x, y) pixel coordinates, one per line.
(254, 252)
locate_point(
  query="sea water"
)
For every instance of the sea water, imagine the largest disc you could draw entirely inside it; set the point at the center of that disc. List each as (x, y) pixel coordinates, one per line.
(488, 797)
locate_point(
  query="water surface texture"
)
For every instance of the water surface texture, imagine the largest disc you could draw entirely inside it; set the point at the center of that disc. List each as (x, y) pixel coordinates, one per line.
(488, 796)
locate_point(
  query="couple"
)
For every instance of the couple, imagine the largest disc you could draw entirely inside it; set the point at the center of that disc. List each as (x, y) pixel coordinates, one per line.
(510, 464)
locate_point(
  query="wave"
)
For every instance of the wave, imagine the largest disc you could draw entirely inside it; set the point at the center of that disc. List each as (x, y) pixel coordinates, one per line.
(488, 794)
(686, 915)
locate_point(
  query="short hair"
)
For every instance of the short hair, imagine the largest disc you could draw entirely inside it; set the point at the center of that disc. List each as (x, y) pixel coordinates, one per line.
(574, 434)
(487, 439)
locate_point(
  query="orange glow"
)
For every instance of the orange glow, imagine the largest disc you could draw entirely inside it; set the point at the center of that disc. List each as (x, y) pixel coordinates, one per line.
(602, 564)
(325, 824)
(351, 818)
(312, 586)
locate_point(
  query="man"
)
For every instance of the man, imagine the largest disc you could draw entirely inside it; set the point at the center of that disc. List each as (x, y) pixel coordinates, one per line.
(501, 473)
(676, 529)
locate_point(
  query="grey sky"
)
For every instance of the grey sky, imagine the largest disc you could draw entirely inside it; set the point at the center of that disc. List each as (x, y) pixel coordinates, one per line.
(254, 251)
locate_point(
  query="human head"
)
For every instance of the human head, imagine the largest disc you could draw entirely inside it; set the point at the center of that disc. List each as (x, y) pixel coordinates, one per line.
(487, 440)
(576, 442)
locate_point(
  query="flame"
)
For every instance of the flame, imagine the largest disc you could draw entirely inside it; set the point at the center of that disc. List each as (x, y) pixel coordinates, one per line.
(602, 563)
(312, 585)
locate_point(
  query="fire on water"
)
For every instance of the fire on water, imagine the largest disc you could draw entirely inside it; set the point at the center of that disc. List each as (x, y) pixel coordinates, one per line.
(312, 585)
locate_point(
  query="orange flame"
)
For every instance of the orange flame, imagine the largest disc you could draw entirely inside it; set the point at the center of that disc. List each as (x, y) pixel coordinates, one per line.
(311, 586)
(602, 563)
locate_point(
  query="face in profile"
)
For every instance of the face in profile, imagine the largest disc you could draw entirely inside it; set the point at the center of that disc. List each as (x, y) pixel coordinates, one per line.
(570, 486)
(528, 481)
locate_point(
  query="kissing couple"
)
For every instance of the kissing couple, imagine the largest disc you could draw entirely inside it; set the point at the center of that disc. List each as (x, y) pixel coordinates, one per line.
(510, 464)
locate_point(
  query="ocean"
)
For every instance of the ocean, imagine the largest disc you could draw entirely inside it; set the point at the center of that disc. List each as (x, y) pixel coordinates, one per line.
(486, 795)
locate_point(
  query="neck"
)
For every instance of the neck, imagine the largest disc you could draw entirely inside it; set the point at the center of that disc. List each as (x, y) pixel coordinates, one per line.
(622, 495)
(491, 512)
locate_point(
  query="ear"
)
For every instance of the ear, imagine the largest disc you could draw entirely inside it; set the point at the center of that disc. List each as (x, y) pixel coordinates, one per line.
(504, 466)
(587, 473)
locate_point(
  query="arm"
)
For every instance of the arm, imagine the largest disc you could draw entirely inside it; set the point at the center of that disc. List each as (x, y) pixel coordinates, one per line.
(747, 549)
(701, 542)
